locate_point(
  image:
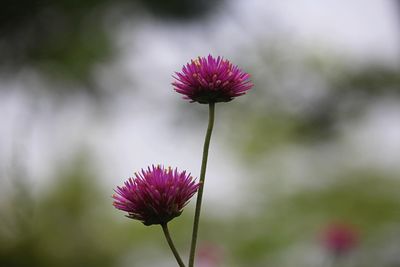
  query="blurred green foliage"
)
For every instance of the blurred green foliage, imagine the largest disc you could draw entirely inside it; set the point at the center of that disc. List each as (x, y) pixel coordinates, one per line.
(66, 226)
(265, 126)
(72, 223)
(65, 39)
(368, 201)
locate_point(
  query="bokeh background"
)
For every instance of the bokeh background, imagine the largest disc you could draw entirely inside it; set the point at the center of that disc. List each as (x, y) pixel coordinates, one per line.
(86, 100)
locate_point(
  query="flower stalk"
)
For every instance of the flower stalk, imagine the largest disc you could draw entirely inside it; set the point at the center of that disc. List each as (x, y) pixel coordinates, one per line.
(201, 182)
(171, 245)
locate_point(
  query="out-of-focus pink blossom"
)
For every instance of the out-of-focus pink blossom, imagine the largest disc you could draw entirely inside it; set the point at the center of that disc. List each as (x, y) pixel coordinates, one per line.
(209, 255)
(340, 238)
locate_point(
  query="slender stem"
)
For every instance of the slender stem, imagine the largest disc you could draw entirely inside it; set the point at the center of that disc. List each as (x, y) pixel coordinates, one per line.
(171, 245)
(202, 178)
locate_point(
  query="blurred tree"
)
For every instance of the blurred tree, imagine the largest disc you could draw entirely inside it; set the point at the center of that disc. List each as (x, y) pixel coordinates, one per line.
(66, 38)
(68, 226)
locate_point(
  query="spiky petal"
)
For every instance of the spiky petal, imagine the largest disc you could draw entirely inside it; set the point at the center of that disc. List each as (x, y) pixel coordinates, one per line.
(155, 195)
(211, 80)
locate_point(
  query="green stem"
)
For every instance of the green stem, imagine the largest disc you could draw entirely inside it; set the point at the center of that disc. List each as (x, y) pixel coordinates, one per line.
(171, 245)
(202, 178)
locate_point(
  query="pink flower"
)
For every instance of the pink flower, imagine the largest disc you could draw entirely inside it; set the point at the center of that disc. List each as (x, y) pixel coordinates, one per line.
(155, 195)
(340, 238)
(211, 80)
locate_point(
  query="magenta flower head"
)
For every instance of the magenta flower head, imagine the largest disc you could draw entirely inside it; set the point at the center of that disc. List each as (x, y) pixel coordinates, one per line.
(211, 80)
(340, 238)
(155, 195)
